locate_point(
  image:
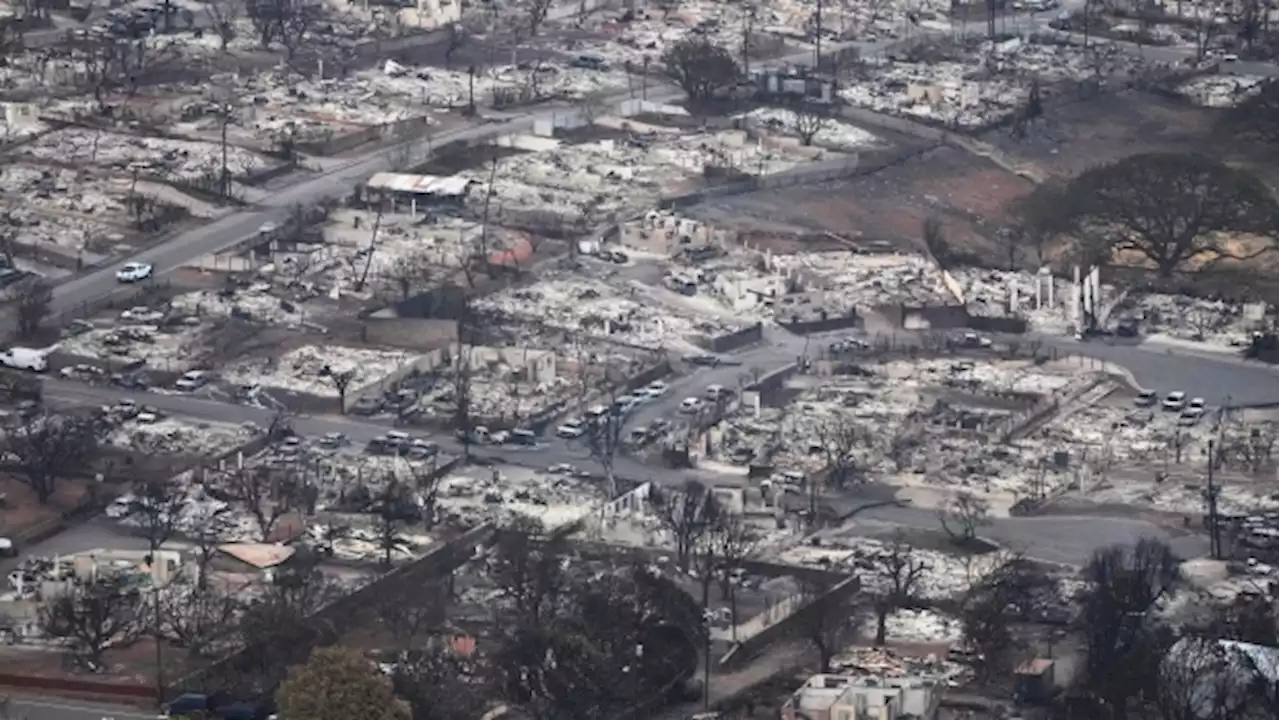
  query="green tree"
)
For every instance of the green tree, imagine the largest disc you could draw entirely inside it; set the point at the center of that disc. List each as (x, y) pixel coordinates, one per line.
(1168, 207)
(700, 67)
(338, 684)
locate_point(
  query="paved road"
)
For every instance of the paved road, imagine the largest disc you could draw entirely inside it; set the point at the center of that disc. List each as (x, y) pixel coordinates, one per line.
(1219, 378)
(1057, 539)
(41, 709)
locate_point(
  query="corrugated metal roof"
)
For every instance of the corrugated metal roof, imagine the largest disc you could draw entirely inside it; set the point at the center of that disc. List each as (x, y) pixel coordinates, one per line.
(259, 555)
(1265, 660)
(419, 184)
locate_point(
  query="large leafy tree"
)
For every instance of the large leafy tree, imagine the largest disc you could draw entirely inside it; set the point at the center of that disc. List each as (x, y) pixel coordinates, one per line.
(700, 67)
(339, 684)
(1168, 207)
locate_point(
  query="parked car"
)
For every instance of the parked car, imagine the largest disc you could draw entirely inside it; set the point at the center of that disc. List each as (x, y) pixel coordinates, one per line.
(571, 429)
(1146, 398)
(25, 359)
(191, 381)
(690, 405)
(367, 405)
(656, 389)
(1174, 400)
(141, 314)
(134, 272)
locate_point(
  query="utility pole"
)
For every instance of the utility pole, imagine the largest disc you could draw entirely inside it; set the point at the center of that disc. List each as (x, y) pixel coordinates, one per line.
(817, 38)
(1211, 498)
(226, 175)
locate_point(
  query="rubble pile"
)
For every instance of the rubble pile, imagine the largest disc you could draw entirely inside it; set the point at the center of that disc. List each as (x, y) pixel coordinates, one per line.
(1196, 319)
(887, 662)
(869, 281)
(272, 106)
(440, 88)
(163, 157)
(615, 178)
(989, 293)
(1221, 91)
(853, 20)
(474, 495)
(496, 394)
(309, 369)
(831, 134)
(70, 233)
(363, 544)
(195, 514)
(171, 347)
(596, 309)
(916, 626)
(988, 84)
(173, 437)
(926, 423)
(60, 189)
(1130, 434)
(1181, 497)
(437, 241)
(254, 303)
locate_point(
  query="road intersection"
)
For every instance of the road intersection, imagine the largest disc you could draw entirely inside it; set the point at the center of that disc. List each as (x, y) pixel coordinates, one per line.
(1221, 380)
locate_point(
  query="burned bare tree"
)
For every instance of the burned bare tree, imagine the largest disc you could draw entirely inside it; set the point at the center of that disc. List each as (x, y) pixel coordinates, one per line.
(94, 617)
(840, 438)
(460, 384)
(735, 541)
(393, 510)
(1122, 643)
(603, 440)
(826, 621)
(441, 684)
(203, 620)
(51, 448)
(1245, 447)
(807, 120)
(536, 14)
(962, 515)
(283, 21)
(413, 273)
(34, 300)
(529, 569)
(341, 381)
(211, 528)
(280, 627)
(263, 496)
(408, 613)
(688, 513)
(222, 16)
(426, 484)
(1200, 678)
(1014, 589)
(157, 505)
(899, 571)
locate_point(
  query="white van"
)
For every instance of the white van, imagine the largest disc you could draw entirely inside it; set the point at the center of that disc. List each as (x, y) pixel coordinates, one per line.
(25, 359)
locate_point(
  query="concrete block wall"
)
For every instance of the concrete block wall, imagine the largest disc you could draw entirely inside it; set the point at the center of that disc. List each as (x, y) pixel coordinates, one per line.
(344, 612)
(790, 626)
(422, 364)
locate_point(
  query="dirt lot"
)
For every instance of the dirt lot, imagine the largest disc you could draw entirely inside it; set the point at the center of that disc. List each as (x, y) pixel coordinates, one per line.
(968, 194)
(1075, 137)
(21, 515)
